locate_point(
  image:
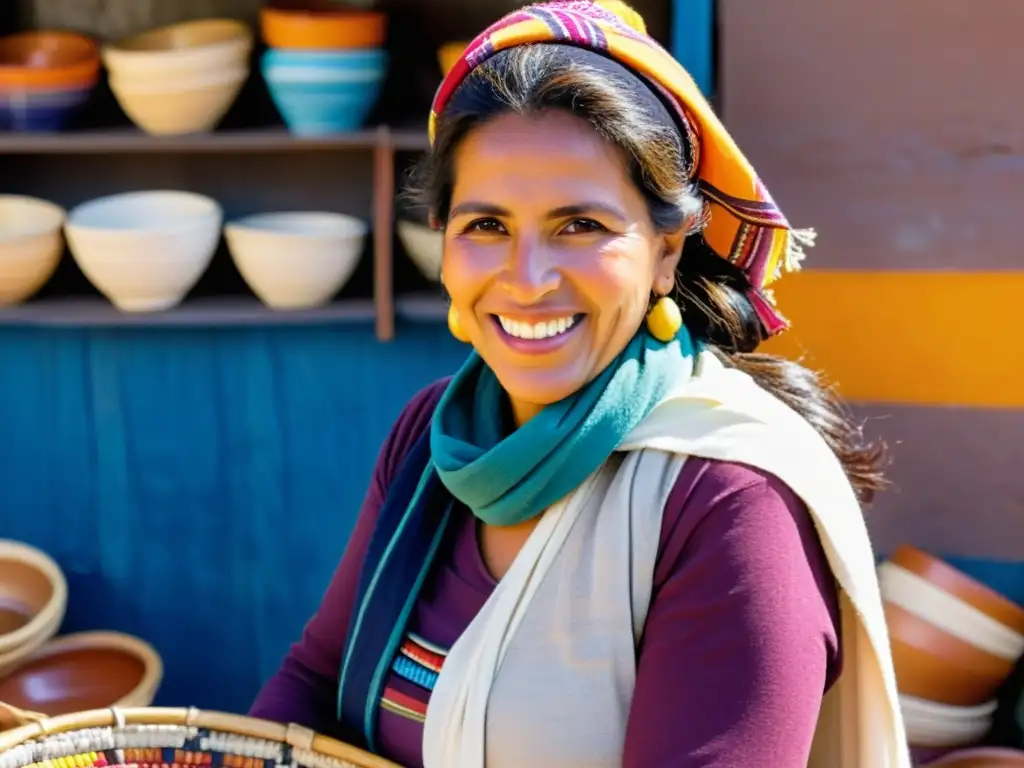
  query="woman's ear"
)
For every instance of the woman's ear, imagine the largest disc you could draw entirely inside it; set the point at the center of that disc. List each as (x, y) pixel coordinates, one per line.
(665, 269)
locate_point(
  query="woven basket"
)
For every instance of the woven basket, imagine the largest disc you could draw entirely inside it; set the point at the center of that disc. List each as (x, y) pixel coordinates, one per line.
(156, 737)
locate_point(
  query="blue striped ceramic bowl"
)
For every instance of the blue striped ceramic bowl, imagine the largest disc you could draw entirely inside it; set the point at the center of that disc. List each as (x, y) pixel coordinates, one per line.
(324, 92)
(31, 111)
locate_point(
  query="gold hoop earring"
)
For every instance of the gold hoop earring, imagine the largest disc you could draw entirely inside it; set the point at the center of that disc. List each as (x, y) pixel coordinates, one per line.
(455, 326)
(664, 320)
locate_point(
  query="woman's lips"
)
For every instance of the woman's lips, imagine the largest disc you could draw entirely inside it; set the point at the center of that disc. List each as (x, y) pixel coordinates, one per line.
(537, 337)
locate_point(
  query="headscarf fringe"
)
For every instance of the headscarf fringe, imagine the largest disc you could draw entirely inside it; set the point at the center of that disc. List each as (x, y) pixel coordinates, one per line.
(797, 243)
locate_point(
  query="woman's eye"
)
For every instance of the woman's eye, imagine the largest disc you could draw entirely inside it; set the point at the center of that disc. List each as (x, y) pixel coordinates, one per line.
(489, 225)
(583, 227)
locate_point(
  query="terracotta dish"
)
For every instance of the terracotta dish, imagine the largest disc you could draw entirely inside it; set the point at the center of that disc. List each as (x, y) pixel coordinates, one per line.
(935, 666)
(86, 670)
(972, 592)
(33, 598)
(55, 60)
(320, 26)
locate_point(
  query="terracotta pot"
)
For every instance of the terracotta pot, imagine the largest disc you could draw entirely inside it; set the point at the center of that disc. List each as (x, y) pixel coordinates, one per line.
(33, 599)
(962, 586)
(983, 757)
(936, 666)
(84, 671)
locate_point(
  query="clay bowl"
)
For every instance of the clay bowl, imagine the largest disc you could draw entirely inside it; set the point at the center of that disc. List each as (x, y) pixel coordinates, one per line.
(961, 586)
(49, 60)
(85, 671)
(314, 25)
(934, 665)
(33, 598)
(982, 757)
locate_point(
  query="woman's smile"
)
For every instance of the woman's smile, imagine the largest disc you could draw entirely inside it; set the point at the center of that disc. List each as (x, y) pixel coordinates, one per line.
(538, 335)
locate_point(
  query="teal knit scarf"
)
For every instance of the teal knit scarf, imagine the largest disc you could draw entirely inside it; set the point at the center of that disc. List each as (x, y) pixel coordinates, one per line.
(509, 478)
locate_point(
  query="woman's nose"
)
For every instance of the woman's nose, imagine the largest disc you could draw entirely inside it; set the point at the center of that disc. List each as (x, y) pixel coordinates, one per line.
(530, 273)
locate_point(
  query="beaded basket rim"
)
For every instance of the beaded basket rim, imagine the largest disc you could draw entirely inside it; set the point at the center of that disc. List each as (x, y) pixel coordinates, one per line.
(304, 746)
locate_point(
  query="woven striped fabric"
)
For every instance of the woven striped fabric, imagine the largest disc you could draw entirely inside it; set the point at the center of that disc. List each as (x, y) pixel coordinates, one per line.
(745, 226)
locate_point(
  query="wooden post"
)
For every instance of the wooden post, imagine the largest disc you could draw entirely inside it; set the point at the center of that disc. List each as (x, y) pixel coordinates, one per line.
(383, 233)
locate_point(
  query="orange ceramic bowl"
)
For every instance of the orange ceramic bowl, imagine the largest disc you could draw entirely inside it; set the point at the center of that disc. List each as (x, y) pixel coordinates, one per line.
(53, 60)
(960, 585)
(317, 26)
(933, 665)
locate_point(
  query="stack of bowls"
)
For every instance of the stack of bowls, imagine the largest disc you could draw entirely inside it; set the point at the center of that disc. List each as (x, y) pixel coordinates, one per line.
(296, 260)
(182, 78)
(144, 250)
(33, 598)
(954, 641)
(325, 66)
(44, 78)
(31, 245)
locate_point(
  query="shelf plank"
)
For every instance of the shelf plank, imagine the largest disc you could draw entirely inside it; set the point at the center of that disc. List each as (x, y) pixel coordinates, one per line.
(213, 312)
(134, 141)
(95, 312)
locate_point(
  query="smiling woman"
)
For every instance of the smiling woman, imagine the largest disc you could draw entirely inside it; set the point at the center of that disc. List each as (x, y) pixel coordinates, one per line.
(552, 269)
(614, 518)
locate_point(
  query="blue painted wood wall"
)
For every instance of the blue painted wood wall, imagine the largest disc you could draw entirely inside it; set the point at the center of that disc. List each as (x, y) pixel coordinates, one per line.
(199, 485)
(692, 40)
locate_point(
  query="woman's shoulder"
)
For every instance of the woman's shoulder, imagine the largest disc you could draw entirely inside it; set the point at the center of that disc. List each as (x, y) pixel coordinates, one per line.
(735, 524)
(736, 506)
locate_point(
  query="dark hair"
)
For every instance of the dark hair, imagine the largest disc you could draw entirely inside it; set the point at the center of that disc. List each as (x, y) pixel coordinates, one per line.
(537, 78)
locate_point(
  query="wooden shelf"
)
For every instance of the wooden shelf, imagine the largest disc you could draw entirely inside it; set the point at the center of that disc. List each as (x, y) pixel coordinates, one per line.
(275, 139)
(219, 312)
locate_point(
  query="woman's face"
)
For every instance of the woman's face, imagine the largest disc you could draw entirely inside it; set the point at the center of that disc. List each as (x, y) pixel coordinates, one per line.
(550, 256)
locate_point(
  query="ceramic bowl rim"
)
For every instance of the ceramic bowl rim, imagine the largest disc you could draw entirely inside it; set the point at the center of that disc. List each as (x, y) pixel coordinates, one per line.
(37, 558)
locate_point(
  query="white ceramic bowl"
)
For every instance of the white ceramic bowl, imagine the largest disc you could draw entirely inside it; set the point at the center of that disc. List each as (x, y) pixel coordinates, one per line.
(30, 245)
(424, 246)
(296, 260)
(176, 106)
(930, 724)
(145, 250)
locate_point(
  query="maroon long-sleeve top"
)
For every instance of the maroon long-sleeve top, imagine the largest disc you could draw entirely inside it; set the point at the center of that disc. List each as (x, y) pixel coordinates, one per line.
(740, 643)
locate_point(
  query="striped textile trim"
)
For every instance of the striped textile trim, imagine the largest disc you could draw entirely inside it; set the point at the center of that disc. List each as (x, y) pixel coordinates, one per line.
(406, 706)
(418, 662)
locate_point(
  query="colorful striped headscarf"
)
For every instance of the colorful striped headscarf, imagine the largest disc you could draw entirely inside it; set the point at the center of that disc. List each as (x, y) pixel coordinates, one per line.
(744, 225)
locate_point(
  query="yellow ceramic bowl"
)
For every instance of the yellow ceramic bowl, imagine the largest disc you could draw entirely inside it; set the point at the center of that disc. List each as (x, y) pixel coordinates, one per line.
(180, 51)
(31, 245)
